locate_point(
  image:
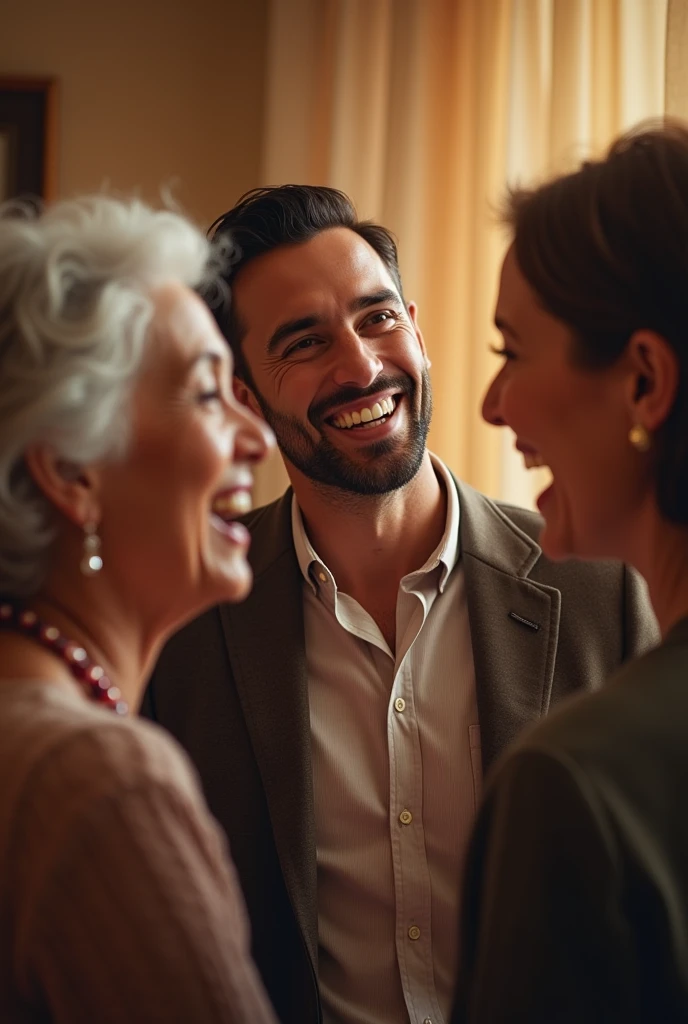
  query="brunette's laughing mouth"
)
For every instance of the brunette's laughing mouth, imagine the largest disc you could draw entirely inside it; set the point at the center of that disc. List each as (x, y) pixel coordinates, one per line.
(532, 459)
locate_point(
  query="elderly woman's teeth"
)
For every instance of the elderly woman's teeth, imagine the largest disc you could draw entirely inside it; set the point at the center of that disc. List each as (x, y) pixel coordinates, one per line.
(236, 503)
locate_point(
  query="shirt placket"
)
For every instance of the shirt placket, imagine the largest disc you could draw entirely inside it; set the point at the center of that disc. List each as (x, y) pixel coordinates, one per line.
(411, 875)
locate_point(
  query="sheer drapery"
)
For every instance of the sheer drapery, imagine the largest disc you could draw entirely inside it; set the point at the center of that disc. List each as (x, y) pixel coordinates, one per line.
(422, 110)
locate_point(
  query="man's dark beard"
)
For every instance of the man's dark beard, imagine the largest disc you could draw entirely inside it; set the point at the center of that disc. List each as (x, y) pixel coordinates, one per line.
(390, 463)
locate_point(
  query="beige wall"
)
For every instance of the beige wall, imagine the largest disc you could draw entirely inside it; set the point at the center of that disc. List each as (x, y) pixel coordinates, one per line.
(151, 92)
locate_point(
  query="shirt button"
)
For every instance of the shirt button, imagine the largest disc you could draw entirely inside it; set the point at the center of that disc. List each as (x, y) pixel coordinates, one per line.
(414, 932)
(399, 704)
(405, 817)
(322, 577)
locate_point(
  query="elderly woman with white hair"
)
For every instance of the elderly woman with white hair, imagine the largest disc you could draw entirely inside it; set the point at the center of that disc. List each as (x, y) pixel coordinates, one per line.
(124, 459)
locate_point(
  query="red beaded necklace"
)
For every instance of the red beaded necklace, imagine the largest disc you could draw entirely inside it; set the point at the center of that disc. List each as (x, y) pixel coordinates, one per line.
(91, 676)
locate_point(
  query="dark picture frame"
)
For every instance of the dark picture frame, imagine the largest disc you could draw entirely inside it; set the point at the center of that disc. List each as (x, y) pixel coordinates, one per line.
(28, 110)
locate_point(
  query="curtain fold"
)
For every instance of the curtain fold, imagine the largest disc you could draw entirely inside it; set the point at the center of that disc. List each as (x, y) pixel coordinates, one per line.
(422, 111)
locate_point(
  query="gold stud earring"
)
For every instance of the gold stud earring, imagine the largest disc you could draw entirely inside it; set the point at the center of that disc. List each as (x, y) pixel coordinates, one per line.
(639, 438)
(91, 563)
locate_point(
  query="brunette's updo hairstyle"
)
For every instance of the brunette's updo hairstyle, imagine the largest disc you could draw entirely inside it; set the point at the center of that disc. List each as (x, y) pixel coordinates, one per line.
(606, 250)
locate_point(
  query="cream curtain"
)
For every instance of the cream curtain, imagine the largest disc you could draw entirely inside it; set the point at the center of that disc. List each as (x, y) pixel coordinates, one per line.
(676, 62)
(422, 110)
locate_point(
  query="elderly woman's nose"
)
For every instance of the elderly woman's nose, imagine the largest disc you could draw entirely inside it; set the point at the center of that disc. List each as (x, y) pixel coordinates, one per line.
(254, 438)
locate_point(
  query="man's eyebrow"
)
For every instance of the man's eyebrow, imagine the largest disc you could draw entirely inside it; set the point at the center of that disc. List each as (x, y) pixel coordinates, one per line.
(364, 301)
(287, 328)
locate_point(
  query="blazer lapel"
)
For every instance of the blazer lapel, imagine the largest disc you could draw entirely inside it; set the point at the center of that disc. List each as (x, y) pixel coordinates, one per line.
(514, 622)
(265, 643)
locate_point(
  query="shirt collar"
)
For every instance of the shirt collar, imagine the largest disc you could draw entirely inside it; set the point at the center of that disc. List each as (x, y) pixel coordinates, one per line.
(446, 554)
(447, 551)
(308, 560)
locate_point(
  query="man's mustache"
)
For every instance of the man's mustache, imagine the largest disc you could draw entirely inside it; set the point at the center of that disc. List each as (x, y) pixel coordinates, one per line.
(319, 411)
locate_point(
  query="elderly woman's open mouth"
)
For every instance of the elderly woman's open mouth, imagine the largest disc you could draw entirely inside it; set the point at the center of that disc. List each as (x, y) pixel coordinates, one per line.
(227, 506)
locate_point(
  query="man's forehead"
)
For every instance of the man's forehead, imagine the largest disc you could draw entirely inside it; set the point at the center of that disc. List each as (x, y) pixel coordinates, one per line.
(337, 265)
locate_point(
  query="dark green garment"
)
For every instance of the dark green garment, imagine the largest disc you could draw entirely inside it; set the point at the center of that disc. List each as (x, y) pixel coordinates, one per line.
(576, 891)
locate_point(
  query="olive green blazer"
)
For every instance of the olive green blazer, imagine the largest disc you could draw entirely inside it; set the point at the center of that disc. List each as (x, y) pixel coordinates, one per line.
(576, 892)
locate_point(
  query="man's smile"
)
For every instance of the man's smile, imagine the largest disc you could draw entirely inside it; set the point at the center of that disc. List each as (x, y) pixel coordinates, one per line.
(365, 415)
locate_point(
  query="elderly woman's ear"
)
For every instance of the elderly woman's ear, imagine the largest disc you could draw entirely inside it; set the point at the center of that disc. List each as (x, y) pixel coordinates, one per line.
(72, 489)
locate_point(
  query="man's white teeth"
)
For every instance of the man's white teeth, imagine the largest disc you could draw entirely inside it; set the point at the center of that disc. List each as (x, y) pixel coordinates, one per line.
(236, 503)
(385, 407)
(533, 460)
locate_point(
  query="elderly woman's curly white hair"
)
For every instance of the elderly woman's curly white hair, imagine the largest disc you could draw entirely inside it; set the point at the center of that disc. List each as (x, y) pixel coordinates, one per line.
(75, 307)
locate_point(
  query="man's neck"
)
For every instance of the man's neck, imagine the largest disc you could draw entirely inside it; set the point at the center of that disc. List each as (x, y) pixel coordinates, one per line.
(370, 542)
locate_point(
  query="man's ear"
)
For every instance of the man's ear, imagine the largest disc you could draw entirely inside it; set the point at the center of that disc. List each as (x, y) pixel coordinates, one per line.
(654, 379)
(243, 394)
(413, 316)
(70, 488)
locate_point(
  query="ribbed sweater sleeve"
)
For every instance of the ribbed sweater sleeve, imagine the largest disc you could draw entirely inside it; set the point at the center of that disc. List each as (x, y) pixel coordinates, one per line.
(128, 906)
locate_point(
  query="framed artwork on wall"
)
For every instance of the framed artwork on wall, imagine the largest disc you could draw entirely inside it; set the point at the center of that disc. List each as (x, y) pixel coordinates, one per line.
(28, 164)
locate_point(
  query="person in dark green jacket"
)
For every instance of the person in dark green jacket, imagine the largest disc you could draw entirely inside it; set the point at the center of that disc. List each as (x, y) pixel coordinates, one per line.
(576, 888)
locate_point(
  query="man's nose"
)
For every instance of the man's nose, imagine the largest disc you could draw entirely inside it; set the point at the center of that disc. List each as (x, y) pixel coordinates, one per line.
(492, 401)
(356, 361)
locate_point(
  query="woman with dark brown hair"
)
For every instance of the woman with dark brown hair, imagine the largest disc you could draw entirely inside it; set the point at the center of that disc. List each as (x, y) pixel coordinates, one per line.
(576, 906)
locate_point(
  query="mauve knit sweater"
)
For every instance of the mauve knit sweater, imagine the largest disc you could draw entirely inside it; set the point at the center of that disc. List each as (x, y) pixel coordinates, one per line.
(118, 901)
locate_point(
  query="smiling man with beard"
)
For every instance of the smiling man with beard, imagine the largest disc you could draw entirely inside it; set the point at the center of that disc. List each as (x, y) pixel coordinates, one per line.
(401, 631)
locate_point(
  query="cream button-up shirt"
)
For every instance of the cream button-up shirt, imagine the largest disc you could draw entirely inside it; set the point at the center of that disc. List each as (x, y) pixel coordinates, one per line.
(397, 773)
